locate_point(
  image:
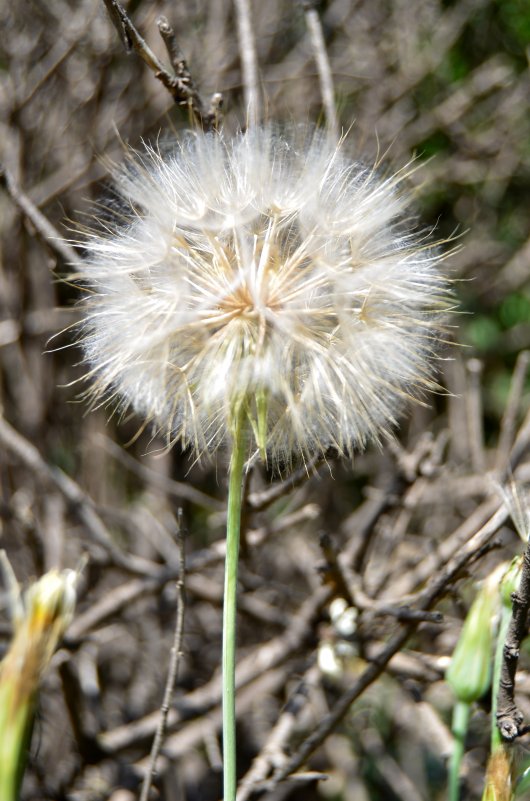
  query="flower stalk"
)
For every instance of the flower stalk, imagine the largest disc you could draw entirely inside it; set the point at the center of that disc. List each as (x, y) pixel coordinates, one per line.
(459, 727)
(233, 528)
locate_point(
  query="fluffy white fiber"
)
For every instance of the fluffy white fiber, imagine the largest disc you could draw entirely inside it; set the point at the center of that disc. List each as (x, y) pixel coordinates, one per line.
(265, 272)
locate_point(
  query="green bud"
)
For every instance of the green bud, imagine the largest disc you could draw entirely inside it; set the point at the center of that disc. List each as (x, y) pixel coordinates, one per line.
(469, 673)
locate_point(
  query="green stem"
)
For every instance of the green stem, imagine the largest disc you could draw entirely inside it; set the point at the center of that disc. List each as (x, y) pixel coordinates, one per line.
(233, 525)
(16, 720)
(460, 722)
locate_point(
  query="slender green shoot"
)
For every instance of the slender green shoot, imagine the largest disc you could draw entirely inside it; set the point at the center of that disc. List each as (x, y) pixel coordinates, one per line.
(460, 723)
(233, 526)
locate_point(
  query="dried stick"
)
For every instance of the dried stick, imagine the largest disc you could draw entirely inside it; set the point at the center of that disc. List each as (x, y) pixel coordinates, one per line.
(509, 718)
(193, 732)
(112, 602)
(273, 752)
(41, 223)
(258, 662)
(172, 674)
(475, 416)
(372, 672)
(318, 44)
(520, 446)
(182, 87)
(177, 79)
(509, 417)
(249, 61)
(79, 503)
(258, 501)
(429, 595)
(177, 489)
(373, 747)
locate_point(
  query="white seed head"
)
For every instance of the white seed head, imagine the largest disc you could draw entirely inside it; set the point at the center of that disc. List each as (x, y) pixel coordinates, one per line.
(264, 272)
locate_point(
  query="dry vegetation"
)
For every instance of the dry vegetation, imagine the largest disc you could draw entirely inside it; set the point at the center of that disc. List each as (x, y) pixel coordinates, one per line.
(400, 534)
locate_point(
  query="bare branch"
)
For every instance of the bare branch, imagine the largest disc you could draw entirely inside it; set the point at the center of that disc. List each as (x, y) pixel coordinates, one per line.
(77, 500)
(273, 753)
(41, 223)
(509, 717)
(434, 590)
(177, 80)
(475, 415)
(173, 667)
(316, 35)
(249, 61)
(509, 417)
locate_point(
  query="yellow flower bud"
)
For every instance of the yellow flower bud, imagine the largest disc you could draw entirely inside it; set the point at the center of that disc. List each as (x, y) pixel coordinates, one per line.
(39, 623)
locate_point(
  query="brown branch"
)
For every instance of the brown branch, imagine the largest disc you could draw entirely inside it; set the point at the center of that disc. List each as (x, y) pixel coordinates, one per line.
(372, 672)
(507, 430)
(316, 35)
(172, 674)
(194, 732)
(177, 489)
(177, 80)
(42, 225)
(258, 501)
(509, 718)
(475, 415)
(432, 592)
(249, 61)
(273, 752)
(117, 599)
(258, 662)
(78, 501)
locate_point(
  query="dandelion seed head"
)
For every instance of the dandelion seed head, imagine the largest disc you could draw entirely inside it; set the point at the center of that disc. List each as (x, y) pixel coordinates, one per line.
(265, 272)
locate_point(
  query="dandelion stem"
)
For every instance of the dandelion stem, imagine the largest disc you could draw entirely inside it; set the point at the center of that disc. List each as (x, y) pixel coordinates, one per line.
(233, 526)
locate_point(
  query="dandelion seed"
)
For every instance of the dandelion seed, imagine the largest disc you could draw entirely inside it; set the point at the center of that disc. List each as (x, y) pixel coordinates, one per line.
(264, 272)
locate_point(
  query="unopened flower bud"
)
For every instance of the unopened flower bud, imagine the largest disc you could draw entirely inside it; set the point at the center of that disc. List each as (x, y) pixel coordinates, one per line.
(39, 623)
(469, 673)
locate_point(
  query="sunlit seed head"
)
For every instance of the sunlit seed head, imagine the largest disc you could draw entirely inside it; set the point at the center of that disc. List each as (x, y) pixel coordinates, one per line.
(265, 272)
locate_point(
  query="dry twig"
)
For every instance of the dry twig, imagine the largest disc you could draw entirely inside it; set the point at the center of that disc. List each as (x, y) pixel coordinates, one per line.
(177, 80)
(41, 223)
(249, 61)
(172, 673)
(316, 35)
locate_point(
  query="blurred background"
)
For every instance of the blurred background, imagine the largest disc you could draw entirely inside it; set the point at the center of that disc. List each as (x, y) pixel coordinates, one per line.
(444, 82)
